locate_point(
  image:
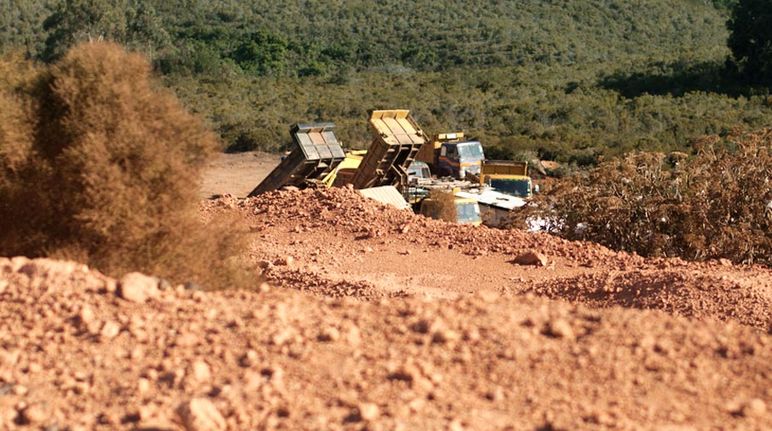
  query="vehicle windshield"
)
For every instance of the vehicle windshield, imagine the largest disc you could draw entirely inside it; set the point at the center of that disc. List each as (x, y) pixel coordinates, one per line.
(470, 151)
(520, 188)
(419, 170)
(467, 212)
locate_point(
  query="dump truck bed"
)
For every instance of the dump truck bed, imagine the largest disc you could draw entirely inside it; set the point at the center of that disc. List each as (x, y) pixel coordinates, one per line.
(315, 154)
(397, 141)
(503, 167)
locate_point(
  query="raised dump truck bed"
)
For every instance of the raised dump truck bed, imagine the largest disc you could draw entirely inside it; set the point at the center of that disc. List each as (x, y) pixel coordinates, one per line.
(397, 141)
(316, 153)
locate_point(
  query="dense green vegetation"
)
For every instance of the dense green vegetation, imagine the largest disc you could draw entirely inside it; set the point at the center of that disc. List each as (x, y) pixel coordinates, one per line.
(751, 39)
(571, 80)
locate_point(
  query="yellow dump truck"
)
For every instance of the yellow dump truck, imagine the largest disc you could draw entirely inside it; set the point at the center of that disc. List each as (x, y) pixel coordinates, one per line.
(430, 152)
(397, 140)
(450, 155)
(316, 153)
(507, 177)
(344, 173)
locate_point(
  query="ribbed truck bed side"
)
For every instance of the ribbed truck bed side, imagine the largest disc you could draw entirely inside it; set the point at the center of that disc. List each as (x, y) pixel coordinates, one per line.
(315, 154)
(397, 141)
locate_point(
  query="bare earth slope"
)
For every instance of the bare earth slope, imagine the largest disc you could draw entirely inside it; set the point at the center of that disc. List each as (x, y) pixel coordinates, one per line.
(75, 354)
(373, 318)
(371, 250)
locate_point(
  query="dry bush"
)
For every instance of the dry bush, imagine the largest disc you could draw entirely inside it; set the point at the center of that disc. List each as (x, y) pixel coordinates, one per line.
(16, 129)
(711, 205)
(441, 204)
(122, 161)
(23, 174)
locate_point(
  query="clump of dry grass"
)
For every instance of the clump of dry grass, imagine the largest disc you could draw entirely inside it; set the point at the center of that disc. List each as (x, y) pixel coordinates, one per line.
(440, 204)
(99, 163)
(711, 205)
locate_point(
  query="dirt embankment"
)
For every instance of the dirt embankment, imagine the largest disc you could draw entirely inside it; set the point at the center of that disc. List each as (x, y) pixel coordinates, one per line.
(366, 317)
(337, 238)
(83, 351)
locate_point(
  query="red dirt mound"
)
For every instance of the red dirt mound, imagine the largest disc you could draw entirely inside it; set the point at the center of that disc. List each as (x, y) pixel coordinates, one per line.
(348, 245)
(344, 209)
(678, 292)
(76, 354)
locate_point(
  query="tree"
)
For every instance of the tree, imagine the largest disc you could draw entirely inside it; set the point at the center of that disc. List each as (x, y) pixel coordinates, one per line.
(132, 23)
(751, 39)
(262, 53)
(724, 4)
(20, 23)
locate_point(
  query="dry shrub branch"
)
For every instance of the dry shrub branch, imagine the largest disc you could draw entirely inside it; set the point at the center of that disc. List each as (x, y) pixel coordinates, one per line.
(715, 204)
(442, 204)
(100, 164)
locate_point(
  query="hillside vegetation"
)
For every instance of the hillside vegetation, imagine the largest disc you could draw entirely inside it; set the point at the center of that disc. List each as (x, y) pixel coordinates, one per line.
(571, 80)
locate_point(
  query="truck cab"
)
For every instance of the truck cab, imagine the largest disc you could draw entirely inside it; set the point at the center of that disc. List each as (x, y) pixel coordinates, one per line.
(450, 155)
(507, 177)
(456, 159)
(419, 169)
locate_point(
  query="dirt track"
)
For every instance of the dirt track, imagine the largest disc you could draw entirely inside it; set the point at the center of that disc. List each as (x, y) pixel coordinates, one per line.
(372, 318)
(236, 174)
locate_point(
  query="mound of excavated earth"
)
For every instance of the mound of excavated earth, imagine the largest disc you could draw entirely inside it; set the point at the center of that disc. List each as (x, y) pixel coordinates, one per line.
(337, 243)
(367, 317)
(83, 351)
